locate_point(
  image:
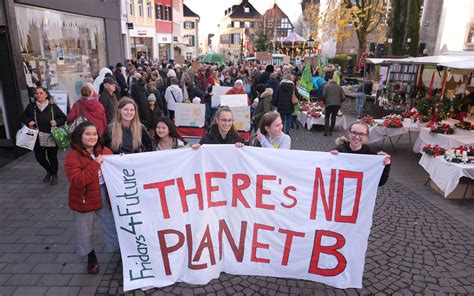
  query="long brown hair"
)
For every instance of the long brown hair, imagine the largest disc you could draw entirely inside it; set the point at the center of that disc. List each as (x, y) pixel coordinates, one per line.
(135, 127)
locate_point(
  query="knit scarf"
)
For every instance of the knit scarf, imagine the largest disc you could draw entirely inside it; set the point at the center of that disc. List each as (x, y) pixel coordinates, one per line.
(43, 105)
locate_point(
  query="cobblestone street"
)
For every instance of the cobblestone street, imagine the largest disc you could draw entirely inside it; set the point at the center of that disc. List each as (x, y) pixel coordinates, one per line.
(420, 243)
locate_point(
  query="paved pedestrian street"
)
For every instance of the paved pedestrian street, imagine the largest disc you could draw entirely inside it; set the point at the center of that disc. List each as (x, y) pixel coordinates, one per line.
(420, 243)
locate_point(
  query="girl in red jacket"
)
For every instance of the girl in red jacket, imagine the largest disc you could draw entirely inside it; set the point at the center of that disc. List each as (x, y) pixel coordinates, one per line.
(87, 192)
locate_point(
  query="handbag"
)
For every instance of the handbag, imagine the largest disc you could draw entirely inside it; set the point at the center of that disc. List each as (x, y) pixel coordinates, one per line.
(78, 120)
(26, 137)
(60, 134)
(294, 99)
(45, 139)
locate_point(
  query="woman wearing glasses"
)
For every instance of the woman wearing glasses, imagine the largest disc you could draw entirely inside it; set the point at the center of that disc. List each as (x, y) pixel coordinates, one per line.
(358, 136)
(222, 130)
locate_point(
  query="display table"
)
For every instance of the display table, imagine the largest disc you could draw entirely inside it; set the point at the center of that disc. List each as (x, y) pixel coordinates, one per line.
(446, 175)
(380, 133)
(309, 121)
(460, 137)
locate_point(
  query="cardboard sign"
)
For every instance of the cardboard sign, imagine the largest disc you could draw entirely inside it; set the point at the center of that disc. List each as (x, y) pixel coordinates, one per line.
(263, 57)
(60, 99)
(241, 117)
(234, 100)
(217, 91)
(189, 114)
(195, 66)
(248, 211)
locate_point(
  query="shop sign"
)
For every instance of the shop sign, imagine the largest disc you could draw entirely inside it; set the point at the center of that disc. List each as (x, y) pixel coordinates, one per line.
(141, 32)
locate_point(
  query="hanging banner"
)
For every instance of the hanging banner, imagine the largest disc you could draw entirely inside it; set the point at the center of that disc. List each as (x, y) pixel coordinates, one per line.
(188, 215)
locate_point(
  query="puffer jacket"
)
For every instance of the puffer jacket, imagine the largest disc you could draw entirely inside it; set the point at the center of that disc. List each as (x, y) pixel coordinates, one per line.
(82, 172)
(282, 97)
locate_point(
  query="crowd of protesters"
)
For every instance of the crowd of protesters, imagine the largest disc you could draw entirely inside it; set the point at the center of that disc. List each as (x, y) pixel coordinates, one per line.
(130, 109)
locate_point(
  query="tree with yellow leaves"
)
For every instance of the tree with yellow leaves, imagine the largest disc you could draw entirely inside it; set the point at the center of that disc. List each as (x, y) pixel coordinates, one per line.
(364, 15)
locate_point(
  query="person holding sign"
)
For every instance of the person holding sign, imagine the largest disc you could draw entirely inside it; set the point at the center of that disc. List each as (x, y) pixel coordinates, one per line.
(126, 134)
(358, 136)
(87, 192)
(271, 133)
(237, 89)
(222, 130)
(167, 136)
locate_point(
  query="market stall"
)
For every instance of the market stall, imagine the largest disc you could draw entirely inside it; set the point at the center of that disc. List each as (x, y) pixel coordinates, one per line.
(427, 137)
(314, 114)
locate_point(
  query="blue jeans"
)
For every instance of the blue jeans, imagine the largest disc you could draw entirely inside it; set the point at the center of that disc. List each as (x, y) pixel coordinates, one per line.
(360, 101)
(287, 119)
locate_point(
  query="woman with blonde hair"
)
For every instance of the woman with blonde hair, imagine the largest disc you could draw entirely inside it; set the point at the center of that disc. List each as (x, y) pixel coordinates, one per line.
(125, 134)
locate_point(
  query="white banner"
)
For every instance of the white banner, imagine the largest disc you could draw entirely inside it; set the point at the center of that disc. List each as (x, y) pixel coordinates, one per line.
(187, 215)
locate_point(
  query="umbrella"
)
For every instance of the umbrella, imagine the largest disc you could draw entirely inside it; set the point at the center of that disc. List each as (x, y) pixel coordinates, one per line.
(213, 57)
(293, 37)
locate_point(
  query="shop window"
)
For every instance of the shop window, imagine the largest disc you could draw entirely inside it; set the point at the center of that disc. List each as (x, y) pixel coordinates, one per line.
(63, 50)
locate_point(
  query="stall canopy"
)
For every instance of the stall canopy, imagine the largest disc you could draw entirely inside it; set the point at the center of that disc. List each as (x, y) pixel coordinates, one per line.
(458, 60)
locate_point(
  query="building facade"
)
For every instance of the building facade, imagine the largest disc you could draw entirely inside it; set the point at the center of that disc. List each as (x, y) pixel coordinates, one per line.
(141, 29)
(276, 24)
(164, 28)
(177, 41)
(55, 44)
(237, 30)
(190, 34)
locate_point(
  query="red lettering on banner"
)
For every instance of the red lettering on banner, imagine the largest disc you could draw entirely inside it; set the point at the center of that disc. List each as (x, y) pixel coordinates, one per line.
(288, 241)
(238, 251)
(162, 193)
(261, 192)
(329, 250)
(289, 196)
(256, 245)
(206, 242)
(189, 241)
(327, 205)
(340, 195)
(210, 189)
(183, 193)
(166, 250)
(237, 189)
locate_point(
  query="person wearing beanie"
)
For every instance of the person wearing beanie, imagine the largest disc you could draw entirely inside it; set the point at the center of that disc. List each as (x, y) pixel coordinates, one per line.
(265, 76)
(154, 113)
(237, 89)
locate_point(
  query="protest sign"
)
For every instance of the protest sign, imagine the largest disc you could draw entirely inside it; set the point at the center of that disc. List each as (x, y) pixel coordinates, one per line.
(234, 100)
(187, 215)
(190, 114)
(241, 117)
(217, 91)
(60, 99)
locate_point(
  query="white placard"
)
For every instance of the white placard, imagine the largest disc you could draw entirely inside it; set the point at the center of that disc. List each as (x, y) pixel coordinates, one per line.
(192, 115)
(60, 99)
(241, 117)
(249, 211)
(217, 91)
(234, 100)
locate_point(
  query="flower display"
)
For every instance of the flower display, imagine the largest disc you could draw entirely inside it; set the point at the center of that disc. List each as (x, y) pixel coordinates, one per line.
(367, 119)
(441, 128)
(409, 114)
(434, 150)
(458, 155)
(466, 126)
(393, 121)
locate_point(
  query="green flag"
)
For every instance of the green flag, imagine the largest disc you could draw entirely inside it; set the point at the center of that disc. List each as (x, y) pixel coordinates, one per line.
(337, 77)
(306, 79)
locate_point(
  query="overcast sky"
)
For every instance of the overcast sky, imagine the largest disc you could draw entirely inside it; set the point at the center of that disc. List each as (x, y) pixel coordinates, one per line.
(212, 11)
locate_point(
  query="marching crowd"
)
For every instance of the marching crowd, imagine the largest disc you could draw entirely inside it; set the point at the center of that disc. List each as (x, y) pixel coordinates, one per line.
(130, 109)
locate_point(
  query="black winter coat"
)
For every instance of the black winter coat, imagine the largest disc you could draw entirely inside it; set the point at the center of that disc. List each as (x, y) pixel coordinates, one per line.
(282, 97)
(346, 148)
(44, 117)
(213, 136)
(140, 98)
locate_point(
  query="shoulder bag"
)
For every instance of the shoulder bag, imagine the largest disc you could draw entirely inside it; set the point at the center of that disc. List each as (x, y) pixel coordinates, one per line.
(45, 139)
(78, 119)
(60, 134)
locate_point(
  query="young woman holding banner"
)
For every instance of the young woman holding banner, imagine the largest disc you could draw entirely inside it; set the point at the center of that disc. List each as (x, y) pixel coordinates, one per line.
(87, 192)
(358, 136)
(125, 134)
(222, 130)
(167, 137)
(270, 134)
